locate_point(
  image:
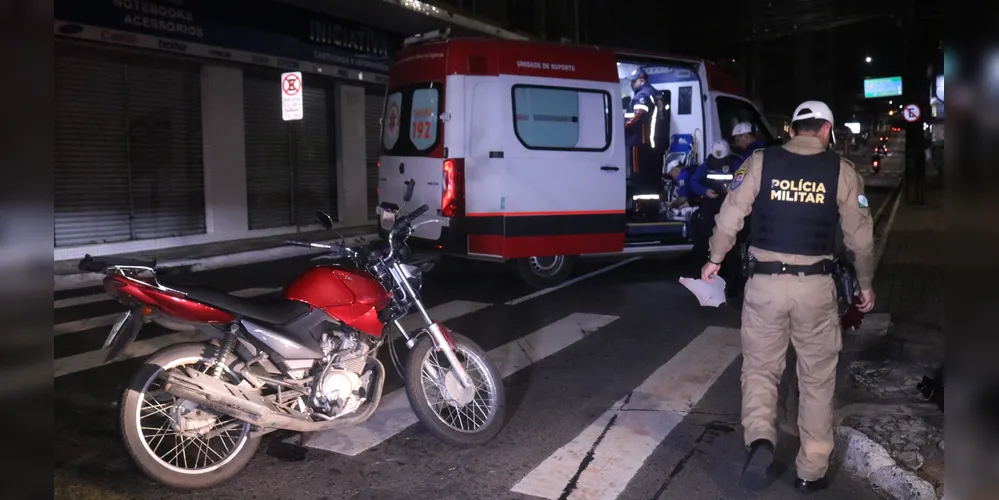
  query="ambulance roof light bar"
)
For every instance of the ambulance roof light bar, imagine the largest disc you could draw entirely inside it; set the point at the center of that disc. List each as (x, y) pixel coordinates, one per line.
(437, 34)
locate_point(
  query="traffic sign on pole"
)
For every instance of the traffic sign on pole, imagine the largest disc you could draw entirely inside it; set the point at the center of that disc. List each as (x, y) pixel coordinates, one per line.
(911, 113)
(291, 96)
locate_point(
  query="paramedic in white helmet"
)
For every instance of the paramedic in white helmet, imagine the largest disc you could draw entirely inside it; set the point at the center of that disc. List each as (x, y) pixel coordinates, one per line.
(796, 195)
(744, 140)
(710, 182)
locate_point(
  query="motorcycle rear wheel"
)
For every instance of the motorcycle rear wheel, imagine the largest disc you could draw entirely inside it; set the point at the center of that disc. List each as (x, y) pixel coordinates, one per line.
(460, 417)
(144, 449)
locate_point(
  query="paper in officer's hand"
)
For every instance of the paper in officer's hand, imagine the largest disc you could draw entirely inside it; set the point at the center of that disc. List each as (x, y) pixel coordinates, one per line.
(708, 294)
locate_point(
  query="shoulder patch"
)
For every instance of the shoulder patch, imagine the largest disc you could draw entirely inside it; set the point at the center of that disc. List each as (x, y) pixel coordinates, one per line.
(737, 178)
(862, 201)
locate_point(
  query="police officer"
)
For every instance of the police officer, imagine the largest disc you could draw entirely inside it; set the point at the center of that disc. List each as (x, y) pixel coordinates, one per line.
(644, 172)
(710, 183)
(744, 140)
(795, 194)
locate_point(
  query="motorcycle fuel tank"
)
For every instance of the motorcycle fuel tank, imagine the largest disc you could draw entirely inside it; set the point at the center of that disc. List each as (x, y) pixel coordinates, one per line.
(349, 295)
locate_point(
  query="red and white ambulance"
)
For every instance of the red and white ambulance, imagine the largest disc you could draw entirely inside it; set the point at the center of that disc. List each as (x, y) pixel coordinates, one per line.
(519, 147)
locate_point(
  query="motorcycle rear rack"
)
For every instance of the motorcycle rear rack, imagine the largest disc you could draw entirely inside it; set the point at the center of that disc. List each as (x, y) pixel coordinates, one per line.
(154, 282)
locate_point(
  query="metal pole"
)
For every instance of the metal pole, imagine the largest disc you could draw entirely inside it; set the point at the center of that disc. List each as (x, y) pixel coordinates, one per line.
(915, 92)
(575, 11)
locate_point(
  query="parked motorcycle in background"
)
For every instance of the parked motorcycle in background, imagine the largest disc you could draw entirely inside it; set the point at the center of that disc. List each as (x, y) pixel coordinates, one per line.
(194, 414)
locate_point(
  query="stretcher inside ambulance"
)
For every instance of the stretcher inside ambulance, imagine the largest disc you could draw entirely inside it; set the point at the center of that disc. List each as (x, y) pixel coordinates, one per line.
(519, 149)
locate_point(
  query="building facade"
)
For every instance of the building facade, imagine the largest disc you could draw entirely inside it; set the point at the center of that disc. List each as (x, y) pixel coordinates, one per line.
(168, 119)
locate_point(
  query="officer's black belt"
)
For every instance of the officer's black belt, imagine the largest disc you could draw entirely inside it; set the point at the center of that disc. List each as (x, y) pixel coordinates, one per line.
(821, 267)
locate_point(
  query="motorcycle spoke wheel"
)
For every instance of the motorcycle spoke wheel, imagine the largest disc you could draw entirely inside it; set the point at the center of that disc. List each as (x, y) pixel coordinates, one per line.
(464, 409)
(179, 435)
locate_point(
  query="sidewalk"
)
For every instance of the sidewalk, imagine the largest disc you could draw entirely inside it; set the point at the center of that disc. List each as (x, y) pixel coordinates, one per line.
(888, 432)
(214, 255)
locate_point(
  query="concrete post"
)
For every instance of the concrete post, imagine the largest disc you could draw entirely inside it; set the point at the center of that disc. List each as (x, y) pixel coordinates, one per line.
(352, 179)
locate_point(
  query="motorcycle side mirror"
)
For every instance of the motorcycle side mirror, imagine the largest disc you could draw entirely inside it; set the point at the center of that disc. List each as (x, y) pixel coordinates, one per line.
(410, 184)
(324, 219)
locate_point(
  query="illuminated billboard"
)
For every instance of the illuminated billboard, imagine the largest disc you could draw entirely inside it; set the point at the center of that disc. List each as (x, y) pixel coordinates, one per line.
(937, 97)
(883, 87)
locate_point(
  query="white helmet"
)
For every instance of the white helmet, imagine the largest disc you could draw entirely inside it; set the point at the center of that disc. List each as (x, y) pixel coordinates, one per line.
(720, 149)
(815, 109)
(742, 128)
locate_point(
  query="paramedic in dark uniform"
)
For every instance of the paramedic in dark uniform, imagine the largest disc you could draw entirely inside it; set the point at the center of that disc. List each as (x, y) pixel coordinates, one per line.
(710, 181)
(796, 194)
(685, 194)
(646, 176)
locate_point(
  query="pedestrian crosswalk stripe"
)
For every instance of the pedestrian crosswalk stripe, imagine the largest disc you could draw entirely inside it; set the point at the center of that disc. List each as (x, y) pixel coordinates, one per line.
(395, 415)
(621, 439)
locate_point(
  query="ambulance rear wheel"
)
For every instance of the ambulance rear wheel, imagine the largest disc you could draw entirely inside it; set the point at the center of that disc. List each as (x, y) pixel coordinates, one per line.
(544, 272)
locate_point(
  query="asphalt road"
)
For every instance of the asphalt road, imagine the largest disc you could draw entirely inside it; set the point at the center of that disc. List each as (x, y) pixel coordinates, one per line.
(630, 335)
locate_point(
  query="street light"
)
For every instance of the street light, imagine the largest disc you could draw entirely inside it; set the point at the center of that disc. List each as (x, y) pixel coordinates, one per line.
(868, 59)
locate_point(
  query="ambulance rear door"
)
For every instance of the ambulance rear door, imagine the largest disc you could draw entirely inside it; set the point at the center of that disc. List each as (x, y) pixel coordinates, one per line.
(555, 181)
(413, 137)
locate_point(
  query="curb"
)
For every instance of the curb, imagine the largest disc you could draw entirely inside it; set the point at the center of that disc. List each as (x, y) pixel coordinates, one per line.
(868, 460)
(84, 280)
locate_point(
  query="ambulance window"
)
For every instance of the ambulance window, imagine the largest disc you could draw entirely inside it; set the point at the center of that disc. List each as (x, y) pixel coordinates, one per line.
(685, 100)
(411, 125)
(732, 111)
(558, 118)
(390, 122)
(423, 119)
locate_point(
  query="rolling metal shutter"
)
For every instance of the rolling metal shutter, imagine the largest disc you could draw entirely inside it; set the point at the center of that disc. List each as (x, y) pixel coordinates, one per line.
(127, 147)
(268, 158)
(315, 174)
(168, 178)
(280, 155)
(374, 102)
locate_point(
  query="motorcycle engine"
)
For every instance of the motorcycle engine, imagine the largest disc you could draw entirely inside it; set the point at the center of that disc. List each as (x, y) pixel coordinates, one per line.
(342, 385)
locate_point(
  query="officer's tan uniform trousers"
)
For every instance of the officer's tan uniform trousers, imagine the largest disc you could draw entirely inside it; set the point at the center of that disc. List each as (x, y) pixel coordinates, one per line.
(801, 310)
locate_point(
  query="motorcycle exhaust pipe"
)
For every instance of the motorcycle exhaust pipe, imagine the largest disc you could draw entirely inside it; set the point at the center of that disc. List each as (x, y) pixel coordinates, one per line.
(249, 406)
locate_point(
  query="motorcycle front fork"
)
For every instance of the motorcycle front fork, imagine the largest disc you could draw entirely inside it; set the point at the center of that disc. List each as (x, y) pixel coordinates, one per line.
(442, 341)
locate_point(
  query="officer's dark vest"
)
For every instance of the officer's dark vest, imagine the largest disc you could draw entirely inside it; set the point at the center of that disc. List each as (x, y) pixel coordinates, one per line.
(796, 211)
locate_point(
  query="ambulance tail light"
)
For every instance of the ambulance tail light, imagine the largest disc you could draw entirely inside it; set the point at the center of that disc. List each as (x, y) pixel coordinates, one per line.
(453, 188)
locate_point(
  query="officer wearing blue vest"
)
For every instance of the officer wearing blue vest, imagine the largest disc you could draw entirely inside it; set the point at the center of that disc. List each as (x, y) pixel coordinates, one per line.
(796, 195)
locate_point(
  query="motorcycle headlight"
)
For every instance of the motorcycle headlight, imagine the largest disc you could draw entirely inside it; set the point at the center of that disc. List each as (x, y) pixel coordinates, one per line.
(414, 275)
(416, 282)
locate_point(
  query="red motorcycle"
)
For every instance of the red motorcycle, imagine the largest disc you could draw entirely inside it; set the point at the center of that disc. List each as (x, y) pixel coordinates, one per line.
(194, 414)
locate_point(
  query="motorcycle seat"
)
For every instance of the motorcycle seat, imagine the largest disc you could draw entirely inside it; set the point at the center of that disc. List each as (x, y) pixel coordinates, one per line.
(276, 311)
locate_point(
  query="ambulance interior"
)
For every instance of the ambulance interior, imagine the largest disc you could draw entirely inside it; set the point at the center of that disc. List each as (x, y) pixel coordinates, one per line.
(686, 122)
(679, 88)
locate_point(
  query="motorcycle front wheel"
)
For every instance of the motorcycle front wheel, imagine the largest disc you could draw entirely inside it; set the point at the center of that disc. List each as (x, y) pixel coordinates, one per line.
(457, 415)
(174, 441)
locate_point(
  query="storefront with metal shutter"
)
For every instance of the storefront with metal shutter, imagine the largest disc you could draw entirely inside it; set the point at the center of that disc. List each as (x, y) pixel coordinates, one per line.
(128, 147)
(374, 104)
(169, 125)
(290, 166)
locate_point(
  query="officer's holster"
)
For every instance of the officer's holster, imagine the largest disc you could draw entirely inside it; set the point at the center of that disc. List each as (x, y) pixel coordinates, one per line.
(847, 286)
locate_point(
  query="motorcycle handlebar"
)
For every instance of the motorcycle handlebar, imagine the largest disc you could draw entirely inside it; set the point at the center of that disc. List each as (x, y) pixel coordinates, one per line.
(415, 214)
(309, 244)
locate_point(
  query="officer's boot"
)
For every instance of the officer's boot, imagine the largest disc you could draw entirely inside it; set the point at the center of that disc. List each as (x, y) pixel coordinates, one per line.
(810, 486)
(755, 473)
